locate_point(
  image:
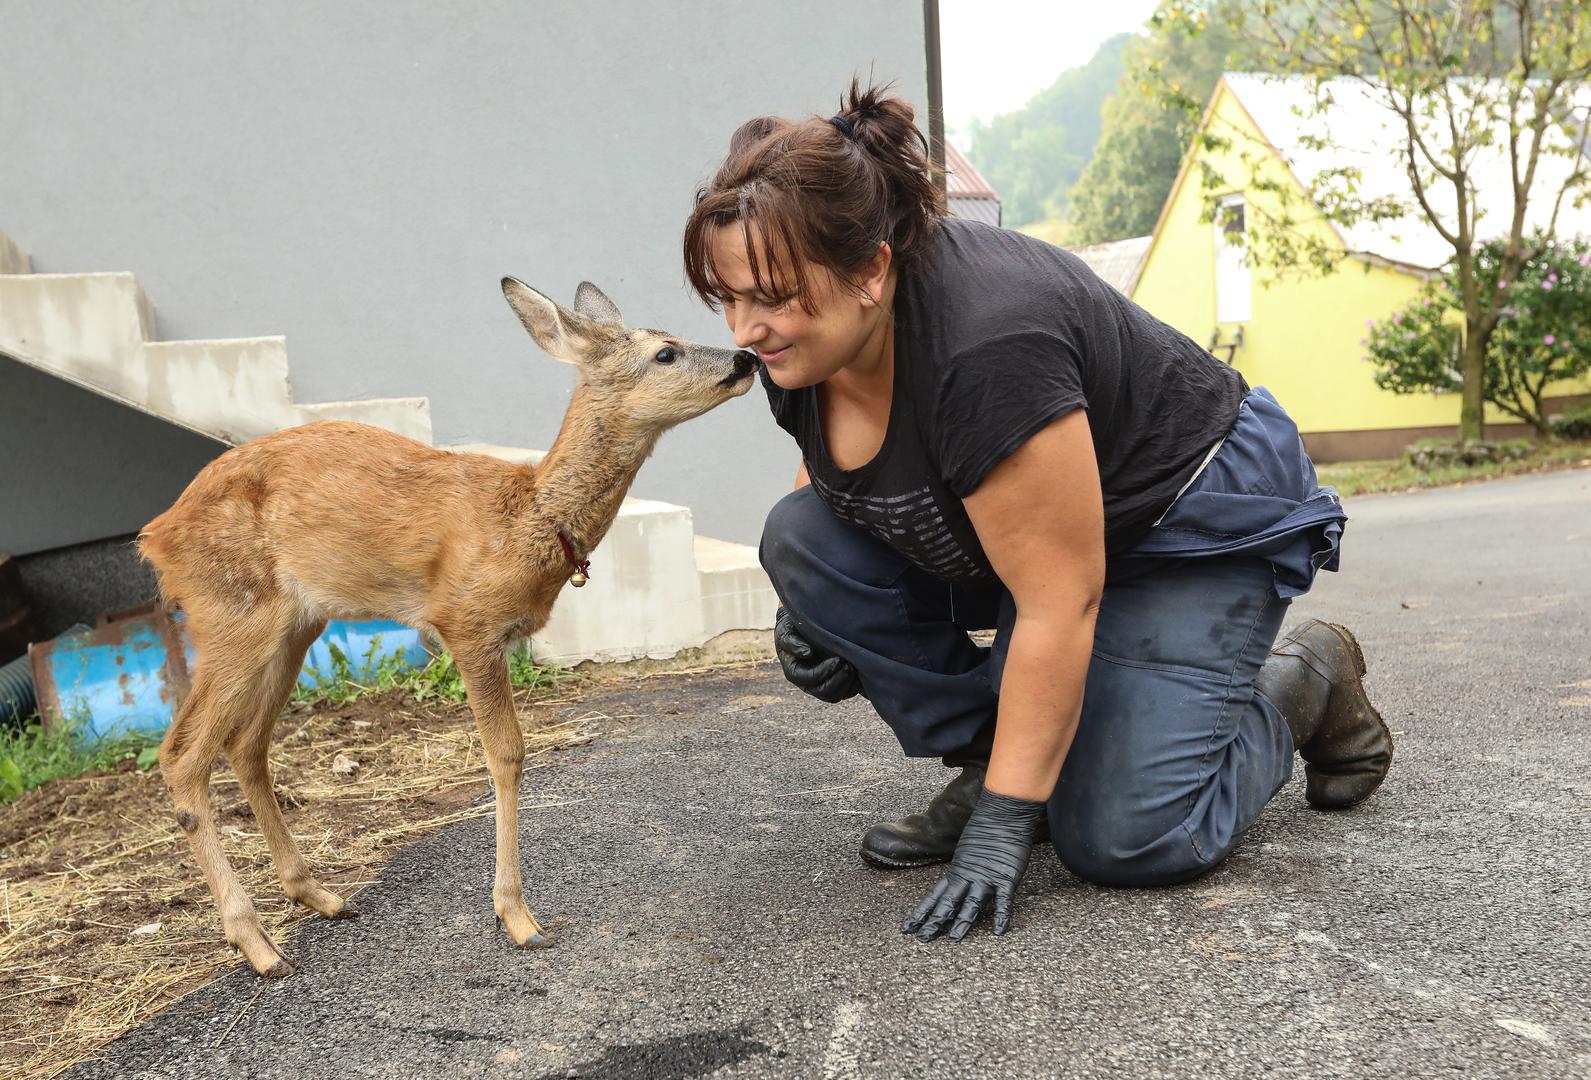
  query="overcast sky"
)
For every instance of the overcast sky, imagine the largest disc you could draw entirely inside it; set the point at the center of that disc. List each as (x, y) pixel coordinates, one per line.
(999, 53)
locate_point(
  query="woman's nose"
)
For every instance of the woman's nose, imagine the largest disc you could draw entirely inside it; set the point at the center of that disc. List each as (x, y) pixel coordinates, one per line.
(747, 329)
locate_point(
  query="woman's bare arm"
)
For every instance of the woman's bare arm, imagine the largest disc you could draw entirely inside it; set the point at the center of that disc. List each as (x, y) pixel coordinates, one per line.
(1040, 518)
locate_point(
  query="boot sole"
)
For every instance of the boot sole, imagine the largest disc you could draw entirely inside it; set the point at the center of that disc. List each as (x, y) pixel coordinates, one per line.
(1041, 835)
(900, 864)
(1360, 668)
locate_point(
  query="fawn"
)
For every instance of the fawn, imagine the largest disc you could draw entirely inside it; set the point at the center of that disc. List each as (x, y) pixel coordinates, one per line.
(338, 519)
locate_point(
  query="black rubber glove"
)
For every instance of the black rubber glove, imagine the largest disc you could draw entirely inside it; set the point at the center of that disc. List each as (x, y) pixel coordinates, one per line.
(990, 859)
(827, 678)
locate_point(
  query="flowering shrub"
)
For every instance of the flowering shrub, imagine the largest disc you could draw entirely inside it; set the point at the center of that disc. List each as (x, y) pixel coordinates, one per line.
(1543, 331)
(1575, 423)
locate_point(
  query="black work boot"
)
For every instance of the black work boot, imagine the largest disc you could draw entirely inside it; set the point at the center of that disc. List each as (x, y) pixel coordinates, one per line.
(930, 837)
(1314, 678)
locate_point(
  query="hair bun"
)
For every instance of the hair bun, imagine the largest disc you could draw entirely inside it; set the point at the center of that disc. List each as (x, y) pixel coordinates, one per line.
(824, 191)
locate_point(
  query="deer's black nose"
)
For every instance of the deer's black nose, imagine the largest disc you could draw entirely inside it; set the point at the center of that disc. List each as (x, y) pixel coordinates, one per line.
(745, 363)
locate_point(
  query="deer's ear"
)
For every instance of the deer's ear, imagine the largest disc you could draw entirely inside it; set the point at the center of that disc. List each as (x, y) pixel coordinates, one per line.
(594, 304)
(561, 333)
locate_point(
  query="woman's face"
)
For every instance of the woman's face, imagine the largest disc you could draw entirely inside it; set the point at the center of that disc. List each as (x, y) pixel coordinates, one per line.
(796, 347)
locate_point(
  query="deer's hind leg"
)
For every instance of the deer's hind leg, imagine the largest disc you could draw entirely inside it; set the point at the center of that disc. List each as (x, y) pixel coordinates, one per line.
(248, 750)
(235, 652)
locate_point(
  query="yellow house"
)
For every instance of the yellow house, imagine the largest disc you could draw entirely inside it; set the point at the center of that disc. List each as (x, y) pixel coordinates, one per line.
(1300, 334)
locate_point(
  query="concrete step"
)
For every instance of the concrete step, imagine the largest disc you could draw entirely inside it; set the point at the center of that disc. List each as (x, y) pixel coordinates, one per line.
(235, 389)
(13, 260)
(89, 329)
(409, 416)
(96, 330)
(516, 454)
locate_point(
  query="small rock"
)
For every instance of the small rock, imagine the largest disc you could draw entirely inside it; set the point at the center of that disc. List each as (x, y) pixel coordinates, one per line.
(343, 765)
(147, 930)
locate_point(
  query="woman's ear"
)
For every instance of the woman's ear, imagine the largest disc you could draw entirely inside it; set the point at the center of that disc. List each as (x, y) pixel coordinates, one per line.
(876, 272)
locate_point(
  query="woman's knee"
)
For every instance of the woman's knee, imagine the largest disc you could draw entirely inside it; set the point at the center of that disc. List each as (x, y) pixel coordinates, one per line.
(1123, 852)
(791, 531)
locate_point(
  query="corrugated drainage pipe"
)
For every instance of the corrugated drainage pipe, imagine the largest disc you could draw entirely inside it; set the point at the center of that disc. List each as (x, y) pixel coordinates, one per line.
(16, 691)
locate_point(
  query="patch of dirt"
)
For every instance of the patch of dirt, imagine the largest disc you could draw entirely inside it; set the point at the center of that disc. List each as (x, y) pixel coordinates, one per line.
(86, 861)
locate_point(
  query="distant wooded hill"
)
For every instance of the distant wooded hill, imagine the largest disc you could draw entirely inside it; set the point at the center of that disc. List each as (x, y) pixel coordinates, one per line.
(1095, 153)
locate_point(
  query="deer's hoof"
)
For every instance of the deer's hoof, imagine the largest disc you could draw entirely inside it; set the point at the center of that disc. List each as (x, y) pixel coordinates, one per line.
(281, 969)
(349, 910)
(539, 941)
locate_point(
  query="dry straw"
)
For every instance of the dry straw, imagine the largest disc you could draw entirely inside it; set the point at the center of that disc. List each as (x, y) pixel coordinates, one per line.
(88, 860)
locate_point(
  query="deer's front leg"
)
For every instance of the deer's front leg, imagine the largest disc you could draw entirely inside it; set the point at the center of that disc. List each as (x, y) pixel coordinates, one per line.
(491, 700)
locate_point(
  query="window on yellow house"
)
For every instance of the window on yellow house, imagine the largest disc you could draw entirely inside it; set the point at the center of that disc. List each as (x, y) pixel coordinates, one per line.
(1233, 283)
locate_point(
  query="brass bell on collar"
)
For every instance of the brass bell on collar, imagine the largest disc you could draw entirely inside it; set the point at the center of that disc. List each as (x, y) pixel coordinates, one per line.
(577, 579)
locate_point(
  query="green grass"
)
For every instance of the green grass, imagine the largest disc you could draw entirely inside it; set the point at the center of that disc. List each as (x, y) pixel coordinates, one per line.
(438, 680)
(1372, 477)
(32, 755)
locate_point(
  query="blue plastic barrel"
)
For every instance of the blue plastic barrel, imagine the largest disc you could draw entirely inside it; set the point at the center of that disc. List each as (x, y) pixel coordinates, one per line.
(129, 675)
(365, 645)
(122, 677)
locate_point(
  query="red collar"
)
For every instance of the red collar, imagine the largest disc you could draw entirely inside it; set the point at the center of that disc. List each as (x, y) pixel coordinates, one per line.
(582, 569)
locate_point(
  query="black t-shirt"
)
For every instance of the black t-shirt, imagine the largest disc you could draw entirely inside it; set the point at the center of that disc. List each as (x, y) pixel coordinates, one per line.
(997, 335)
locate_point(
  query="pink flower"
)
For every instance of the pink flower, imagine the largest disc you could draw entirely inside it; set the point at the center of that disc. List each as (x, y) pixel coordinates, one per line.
(1585, 260)
(1549, 340)
(1553, 278)
(1397, 319)
(1412, 335)
(1546, 286)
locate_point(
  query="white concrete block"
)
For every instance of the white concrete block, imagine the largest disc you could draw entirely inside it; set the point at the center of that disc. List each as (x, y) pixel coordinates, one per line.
(643, 599)
(515, 454)
(656, 588)
(406, 416)
(736, 592)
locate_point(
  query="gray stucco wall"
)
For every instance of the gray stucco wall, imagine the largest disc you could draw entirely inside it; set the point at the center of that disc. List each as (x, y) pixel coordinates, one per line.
(359, 175)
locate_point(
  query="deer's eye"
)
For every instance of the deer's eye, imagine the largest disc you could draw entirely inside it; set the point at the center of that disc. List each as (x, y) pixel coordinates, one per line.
(666, 355)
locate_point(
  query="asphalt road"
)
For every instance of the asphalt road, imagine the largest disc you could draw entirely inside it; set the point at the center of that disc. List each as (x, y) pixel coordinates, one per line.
(701, 871)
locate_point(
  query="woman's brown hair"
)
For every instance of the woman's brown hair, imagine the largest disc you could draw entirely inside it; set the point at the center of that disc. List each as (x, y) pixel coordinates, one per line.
(818, 192)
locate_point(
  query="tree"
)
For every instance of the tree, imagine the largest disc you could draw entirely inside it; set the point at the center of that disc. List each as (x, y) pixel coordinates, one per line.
(1465, 81)
(1543, 332)
(1121, 191)
(1032, 156)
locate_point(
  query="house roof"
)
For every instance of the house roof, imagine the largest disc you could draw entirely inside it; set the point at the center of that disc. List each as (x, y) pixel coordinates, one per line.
(1359, 130)
(967, 192)
(1118, 263)
(962, 181)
